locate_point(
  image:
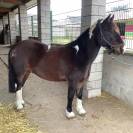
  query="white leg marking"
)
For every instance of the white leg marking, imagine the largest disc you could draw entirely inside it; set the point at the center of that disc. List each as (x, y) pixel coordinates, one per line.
(19, 99)
(70, 114)
(79, 107)
(22, 100)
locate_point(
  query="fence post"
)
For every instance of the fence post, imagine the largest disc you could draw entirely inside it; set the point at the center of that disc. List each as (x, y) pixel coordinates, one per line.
(32, 25)
(51, 27)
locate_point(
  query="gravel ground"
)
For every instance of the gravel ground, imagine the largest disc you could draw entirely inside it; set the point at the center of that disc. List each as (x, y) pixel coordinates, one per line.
(46, 102)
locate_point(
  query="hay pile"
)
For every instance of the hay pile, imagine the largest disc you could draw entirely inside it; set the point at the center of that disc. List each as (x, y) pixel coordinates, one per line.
(12, 121)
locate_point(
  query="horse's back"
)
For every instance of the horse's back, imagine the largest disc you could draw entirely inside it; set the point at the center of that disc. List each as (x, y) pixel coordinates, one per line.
(33, 45)
(28, 51)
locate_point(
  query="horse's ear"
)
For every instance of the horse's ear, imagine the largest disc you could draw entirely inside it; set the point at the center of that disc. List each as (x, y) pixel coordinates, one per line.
(112, 18)
(107, 19)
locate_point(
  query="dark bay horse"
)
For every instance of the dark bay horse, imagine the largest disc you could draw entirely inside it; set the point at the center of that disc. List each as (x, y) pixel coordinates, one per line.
(71, 62)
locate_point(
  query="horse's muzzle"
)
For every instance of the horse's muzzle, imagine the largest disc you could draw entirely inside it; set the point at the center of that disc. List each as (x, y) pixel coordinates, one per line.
(118, 50)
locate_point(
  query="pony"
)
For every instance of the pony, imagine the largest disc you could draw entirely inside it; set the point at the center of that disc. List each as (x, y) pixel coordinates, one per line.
(71, 62)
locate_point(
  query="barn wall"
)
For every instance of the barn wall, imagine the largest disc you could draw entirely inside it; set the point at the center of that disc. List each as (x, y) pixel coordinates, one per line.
(93, 10)
(118, 76)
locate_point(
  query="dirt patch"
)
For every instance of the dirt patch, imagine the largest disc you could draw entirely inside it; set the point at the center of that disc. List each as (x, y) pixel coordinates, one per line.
(104, 114)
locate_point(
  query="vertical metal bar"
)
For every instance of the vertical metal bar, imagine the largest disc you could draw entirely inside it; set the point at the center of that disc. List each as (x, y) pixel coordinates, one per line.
(19, 24)
(3, 22)
(3, 41)
(9, 30)
(39, 19)
(51, 27)
(32, 25)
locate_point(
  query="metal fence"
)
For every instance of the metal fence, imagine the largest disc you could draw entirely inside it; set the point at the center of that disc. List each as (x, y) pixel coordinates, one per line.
(66, 30)
(66, 26)
(123, 11)
(33, 26)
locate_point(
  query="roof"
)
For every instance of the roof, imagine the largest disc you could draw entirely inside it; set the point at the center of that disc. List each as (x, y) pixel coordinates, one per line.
(8, 5)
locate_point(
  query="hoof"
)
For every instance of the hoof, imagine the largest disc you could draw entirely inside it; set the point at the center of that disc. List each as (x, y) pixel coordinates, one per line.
(19, 105)
(70, 115)
(79, 107)
(22, 102)
(81, 111)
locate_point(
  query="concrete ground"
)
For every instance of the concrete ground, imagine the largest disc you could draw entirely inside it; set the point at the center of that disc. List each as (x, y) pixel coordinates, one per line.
(46, 102)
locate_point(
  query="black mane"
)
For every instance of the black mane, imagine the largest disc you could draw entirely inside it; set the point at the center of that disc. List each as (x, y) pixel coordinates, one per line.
(80, 38)
(88, 46)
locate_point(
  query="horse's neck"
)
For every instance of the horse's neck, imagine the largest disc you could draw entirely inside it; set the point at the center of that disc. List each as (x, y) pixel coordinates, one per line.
(89, 47)
(92, 49)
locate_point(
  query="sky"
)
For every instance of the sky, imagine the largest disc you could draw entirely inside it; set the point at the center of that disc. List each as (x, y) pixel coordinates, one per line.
(61, 6)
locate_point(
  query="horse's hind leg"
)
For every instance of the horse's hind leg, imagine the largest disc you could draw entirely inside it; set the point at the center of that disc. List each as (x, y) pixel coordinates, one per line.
(19, 96)
(79, 106)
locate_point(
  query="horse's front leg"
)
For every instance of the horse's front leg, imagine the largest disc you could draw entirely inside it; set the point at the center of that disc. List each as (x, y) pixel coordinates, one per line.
(79, 106)
(71, 92)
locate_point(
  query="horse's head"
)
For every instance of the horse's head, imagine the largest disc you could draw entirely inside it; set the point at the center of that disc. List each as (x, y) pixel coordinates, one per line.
(109, 36)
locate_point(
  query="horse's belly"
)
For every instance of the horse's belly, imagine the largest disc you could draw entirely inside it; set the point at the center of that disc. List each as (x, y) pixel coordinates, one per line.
(53, 67)
(51, 77)
(50, 74)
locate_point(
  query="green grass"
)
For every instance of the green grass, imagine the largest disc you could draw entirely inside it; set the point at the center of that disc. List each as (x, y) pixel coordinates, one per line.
(61, 40)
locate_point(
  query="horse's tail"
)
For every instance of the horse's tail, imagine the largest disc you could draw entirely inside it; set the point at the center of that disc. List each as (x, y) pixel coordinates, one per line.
(12, 81)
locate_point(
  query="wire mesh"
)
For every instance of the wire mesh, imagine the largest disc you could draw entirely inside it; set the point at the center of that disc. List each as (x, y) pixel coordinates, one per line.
(66, 30)
(33, 26)
(65, 26)
(123, 11)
